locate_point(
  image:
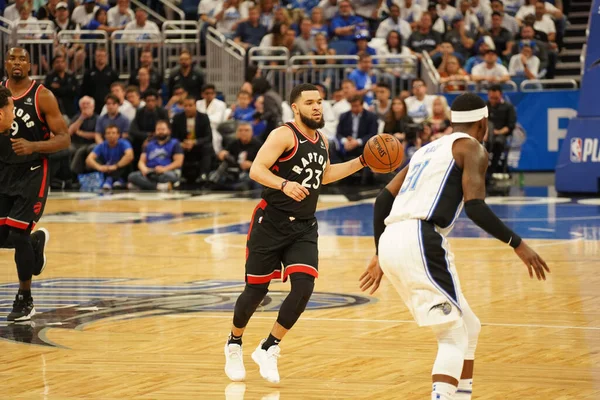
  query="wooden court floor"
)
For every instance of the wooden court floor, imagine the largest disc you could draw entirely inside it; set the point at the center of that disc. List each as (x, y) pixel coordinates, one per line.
(136, 311)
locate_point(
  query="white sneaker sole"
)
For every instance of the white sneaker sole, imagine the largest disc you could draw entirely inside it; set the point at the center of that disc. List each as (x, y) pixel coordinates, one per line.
(255, 359)
(233, 379)
(46, 241)
(25, 317)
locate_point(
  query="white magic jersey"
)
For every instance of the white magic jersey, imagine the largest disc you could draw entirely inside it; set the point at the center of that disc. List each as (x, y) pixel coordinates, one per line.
(432, 189)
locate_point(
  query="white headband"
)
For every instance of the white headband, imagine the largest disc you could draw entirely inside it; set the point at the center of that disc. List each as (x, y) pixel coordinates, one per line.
(469, 116)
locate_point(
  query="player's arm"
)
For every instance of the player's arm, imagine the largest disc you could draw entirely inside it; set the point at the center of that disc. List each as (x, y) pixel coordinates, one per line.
(91, 162)
(473, 159)
(126, 159)
(61, 139)
(277, 143)
(335, 172)
(176, 164)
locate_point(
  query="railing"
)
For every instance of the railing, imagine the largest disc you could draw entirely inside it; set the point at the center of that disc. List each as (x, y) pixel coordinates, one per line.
(225, 63)
(5, 38)
(150, 11)
(179, 35)
(126, 47)
(536, 85)
(90, 40)
(170, 8)
(429, 73)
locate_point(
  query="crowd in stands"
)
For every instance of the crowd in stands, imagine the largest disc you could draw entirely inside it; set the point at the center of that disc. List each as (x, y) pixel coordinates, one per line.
(152, 133)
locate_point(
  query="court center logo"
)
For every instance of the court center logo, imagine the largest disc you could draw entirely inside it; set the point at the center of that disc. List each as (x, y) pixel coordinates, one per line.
(74, 303)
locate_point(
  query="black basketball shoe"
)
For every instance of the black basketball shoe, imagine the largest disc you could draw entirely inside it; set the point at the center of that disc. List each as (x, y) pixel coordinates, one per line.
(22, 310)
(39, 240)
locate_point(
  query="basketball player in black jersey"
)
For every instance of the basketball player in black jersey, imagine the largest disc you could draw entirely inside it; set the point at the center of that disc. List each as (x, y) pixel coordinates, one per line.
(37, 130)
(292, 164)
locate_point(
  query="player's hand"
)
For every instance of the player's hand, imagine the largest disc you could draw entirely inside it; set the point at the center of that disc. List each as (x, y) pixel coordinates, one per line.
(23, 147)
(295, 190)
(372, 276)
(532, 261)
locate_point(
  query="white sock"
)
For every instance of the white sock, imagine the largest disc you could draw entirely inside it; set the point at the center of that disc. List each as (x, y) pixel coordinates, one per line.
(442, 391)
(465, 389)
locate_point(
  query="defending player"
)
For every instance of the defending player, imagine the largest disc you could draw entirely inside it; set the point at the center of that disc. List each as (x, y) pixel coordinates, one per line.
(38, 129)
(420, 206)
(282, 240)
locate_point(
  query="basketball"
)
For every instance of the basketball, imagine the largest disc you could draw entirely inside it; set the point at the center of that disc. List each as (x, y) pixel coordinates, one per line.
(383, 153)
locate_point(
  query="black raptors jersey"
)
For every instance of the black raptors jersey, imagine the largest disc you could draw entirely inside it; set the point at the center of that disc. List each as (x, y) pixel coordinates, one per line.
(29, 124)
(305, 164)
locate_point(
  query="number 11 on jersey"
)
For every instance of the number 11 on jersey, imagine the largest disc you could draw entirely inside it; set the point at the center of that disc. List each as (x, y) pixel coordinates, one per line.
(411, 181)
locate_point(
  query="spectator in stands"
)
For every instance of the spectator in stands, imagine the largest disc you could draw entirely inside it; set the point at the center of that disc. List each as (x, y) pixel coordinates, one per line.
(146, 61)
(243, 110)
(267, 13)
(461, 38)
(272, 111)
(382, 102)
(133, 96)
(47, 12)
(502, 120)
(27, 22)
(508, 21)
(141, 23)
(439, 121)
(503, 40)
(322, 49)
(411, 13)
(100, 22)
(471, 22)
(207, 9)
(12, 12)
(512, 6)
(540, 49)
(539, 35)
(490, 71)
(330, 128)
(192, 129)
(445, 11)
(216, 110)
(84, 13)
(345, 23)
(304, 5)
(63, 84)
(356, 127)
(112, 117)
(369, 11)
(544, 23)
(396, 120)
(176, 102)
(305, 41)
(73, 52)
(144, 124)
(330, 9)
(259, 126)
(437, 24)
(348, 91)
(483, 12)
(482, 46)
(529, 8)
(112, 158)
(144, 81)
(289, 42)
(237, 159)
(98, 80)
(362, 46)
(364, 78)
(227, 16)
(419, 106)
(319, 24)
(83, 130)
(120, 15)
(188, 76)
(125, 107)
(394, 23)
(274, 38)
(524, 65)
(453, 75)
(281, 16)
(424, 39)
(160, 163)
(444, 51)
(397, 68)
(249, 33)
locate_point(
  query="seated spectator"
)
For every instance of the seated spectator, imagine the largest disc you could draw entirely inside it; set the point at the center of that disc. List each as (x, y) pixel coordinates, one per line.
(482, 46)
(322, 50)
(344, 24)
(249, 33)
(355, 128)
(445, 11)
(394, 23)
(112, 117)
(186, 75)
(503, 40)
(73, 52)
(125, 107)
(144, 85)
(243, 109)
(216, 110)
(331, 122)
(396, 67)
(259, 126)
(502, 120)
(411, 13)
(540, 49)
(12, 12)
(133, 96)
(508, 21)
(524, 65)
(236, 160)
(289, 42)
(544, 23)
(364, 78)
(419, 106)
(318, 22)
(445, 50)
(175, 104)
(396, 120)
(47, 11)
(529, 9)
(207, 9)
(490, 71)
(160, 163)
(439, 121)
(306, 40)
(143, 125)
(227, 16)
(275, 37)
(193, 130)
(272, 112)
(424, 39)
(461, 38)
(112, 158)
(83, 132)
(267, 13)
(453, 75)
(483, 12)
(512, 6)
(330, 9)
(141, 23)
(156, 79)
(63, 84)
(438, 24)
(100, 23)
(347, 92)
(120, 15)
(362, 46)
(382, 102)
(84, 13)
(470, 21)
(539, 35)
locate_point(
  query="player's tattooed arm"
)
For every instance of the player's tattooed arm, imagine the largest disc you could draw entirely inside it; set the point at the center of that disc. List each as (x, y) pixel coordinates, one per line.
(56, 123)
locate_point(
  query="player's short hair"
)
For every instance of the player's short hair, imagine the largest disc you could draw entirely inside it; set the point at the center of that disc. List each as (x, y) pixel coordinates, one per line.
(112, 97)
(495, 88)
(298, 89)
(208, 86)
(120, 84)
(112, 126)
(150, 92)
(468, 102)
(190, 97)
(28, 57)
(5, 94)
(132, 89)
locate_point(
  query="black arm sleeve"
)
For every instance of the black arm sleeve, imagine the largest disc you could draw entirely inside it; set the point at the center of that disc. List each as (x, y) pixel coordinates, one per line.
(383, 206)
(484, 217)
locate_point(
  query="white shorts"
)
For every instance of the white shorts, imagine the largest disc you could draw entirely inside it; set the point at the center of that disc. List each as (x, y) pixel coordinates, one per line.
(417, 259)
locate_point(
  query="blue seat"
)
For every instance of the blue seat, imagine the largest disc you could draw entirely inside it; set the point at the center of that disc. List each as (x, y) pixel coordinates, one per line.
(342, 47)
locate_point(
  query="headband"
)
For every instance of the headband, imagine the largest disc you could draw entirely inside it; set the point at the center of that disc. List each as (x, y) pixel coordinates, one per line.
(469, 116)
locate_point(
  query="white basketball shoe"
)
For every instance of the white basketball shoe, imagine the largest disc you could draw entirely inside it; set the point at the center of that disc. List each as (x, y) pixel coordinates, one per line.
(267, 361)
(234, 362)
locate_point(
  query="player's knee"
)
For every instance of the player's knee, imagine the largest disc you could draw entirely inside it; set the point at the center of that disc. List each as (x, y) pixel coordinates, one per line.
(255, 293)
(19, 237)
(452, 347)
(473, 326)
(303, 285)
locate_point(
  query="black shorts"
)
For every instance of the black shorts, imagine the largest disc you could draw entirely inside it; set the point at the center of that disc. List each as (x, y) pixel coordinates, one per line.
(23, 193)
(278, 246)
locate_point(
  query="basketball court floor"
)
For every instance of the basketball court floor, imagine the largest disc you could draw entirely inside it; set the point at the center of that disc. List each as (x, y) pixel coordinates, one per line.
(137, 299)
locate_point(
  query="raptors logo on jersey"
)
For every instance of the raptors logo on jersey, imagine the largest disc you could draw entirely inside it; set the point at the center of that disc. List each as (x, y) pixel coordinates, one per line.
(305, 164)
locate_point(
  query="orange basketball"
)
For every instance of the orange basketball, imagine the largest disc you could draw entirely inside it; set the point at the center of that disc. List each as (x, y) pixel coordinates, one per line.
(383, 153)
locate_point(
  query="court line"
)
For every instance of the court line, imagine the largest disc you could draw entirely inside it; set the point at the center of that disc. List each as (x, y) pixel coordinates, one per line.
(394, 321)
